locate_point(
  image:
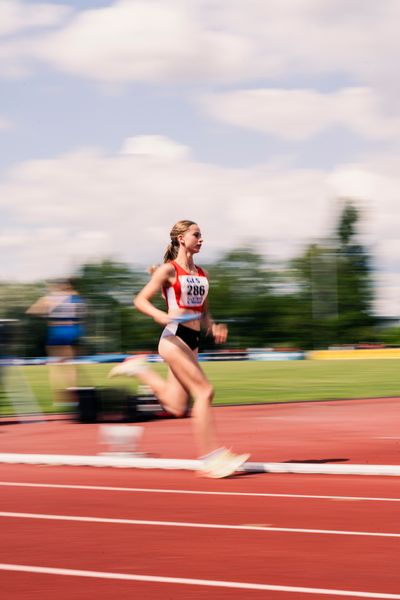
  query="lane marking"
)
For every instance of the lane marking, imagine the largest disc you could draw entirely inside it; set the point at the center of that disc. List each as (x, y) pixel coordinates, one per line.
(189, 581)
(103, 488)
(116, 521)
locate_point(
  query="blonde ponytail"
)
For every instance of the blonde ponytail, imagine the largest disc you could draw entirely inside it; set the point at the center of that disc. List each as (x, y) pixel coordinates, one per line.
(171, 251)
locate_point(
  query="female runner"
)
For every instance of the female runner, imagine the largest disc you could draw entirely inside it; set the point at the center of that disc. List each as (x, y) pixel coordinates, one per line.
(185, 289)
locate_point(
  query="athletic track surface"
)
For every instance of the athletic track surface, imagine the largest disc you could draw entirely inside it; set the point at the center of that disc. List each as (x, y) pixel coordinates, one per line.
(106, 533)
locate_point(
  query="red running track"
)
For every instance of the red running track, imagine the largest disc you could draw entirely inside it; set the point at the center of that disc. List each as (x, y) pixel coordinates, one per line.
(356, 431)
(260, 529)
(291, 559)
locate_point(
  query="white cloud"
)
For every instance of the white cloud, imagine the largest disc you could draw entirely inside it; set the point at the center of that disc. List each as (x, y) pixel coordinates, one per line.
(388, 253)
(18, 21)
(132, 200)
(143, 40)
(299, 114)
(16, 16)
(355, 181)
(309, 36)
(156, 146)
(13, 239)
(5, 123)
(36, 253)
(388, 297)
(13, 60)
(225, 40)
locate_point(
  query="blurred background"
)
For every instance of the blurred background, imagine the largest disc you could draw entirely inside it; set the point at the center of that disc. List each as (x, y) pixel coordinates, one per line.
(275, 128)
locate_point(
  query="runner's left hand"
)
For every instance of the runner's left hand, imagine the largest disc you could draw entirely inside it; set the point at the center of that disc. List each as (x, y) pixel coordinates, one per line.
(219, 332)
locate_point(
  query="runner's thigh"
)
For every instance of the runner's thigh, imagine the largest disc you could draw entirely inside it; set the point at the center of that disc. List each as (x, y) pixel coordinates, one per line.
(184, 365)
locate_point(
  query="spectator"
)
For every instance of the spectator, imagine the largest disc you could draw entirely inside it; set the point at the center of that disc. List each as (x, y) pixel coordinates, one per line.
(64, 310)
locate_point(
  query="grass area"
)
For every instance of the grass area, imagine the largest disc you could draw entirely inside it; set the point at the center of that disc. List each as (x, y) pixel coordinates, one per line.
(250, 382)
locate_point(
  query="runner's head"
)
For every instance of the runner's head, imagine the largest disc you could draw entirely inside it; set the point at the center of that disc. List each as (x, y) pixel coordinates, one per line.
(60, 285)
(179, 229)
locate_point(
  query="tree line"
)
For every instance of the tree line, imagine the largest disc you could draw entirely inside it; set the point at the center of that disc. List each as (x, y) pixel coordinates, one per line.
(323, 297)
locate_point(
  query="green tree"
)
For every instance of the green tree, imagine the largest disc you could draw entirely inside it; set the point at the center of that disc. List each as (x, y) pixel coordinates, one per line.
(313, 308)
(242, 296)
(354, 282)
(335, 291)
(112, 323)
(28, 333)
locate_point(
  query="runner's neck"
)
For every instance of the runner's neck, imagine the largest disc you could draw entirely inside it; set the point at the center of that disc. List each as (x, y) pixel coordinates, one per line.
(187, 266)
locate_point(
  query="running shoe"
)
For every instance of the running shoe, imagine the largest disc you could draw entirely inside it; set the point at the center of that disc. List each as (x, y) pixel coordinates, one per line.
(130, 367)
(222, 464)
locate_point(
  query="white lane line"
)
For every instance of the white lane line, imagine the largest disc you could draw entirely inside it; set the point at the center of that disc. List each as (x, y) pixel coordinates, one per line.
(17, 515)
(103, 488)
(198, 582)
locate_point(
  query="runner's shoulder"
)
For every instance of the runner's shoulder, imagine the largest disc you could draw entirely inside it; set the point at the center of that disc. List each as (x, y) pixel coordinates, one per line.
(165, 272)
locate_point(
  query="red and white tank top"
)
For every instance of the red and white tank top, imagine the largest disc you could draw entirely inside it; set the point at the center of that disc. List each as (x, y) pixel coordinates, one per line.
(189, 291)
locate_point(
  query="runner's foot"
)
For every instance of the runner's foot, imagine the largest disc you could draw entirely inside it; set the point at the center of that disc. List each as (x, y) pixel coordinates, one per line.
(222, 463)
(130, 367)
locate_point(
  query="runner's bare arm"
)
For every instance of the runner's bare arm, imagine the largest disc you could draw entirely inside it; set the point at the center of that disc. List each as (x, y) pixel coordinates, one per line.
(40, 308)
(162, 276)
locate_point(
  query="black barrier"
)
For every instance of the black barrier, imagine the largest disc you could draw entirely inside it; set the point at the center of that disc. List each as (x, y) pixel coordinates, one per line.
(88, 404)
(6, 335)
(110, 405)
(94, 405)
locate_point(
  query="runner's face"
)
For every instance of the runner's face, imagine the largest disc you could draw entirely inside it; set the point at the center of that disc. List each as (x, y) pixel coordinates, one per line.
(193, 239)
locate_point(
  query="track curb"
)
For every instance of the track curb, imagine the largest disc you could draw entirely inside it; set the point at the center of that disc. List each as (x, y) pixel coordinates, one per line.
(131, 461)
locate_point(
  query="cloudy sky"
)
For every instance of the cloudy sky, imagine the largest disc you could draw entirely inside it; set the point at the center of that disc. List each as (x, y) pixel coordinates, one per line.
(117, 118)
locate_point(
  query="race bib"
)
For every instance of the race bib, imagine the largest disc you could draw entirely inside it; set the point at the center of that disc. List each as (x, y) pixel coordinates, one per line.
(194, 290)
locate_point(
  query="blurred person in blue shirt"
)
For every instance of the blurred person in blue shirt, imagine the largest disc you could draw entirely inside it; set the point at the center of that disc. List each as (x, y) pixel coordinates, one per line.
(65, 311)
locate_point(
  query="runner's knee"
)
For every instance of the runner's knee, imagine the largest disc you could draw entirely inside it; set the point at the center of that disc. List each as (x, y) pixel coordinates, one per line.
(179, 413)
(205, 395)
